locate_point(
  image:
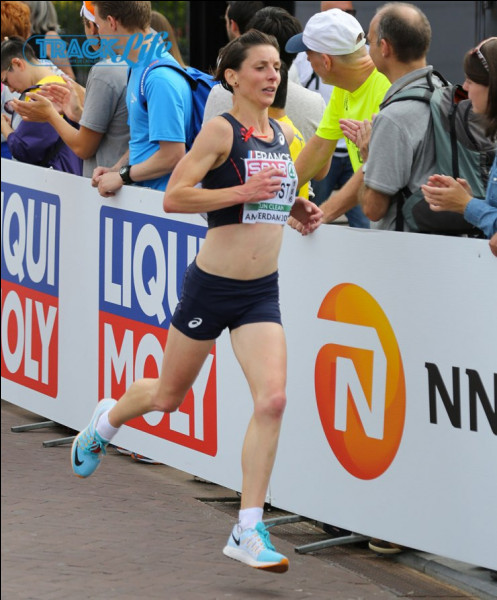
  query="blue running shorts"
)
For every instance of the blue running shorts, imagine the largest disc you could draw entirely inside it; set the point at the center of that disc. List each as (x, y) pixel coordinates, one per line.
(210, 303)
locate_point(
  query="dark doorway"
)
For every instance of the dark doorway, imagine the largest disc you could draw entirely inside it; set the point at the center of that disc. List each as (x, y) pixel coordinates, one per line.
(208, 31)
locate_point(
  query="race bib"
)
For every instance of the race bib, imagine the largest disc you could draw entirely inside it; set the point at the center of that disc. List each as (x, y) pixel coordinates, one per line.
(276, 210)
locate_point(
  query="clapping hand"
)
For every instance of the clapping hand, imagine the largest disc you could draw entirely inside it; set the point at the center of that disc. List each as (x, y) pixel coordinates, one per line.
(359, 133)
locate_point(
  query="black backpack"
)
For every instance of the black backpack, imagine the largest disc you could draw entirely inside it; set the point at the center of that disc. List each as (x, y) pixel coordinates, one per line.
(461, 150)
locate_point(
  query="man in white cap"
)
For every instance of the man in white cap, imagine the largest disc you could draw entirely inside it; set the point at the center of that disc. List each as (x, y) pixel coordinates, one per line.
(335, 46)
(103, 134)
(341, 169)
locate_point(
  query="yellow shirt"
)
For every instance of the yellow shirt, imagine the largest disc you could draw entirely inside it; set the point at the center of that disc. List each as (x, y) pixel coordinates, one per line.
(295, 149)
(361, 104)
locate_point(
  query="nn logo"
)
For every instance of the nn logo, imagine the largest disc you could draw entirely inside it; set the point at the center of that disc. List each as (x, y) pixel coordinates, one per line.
(359, 382)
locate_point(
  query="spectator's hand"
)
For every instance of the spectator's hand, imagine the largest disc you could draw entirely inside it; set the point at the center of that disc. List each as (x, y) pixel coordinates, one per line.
(363, 137)
(57, 93)
(264, 185)
(359, 133)
(493, 244)
(38, 109)
(305, 216)
(445, 180)
(349, 128)
(65, 98)
(97, 173)
(109, 183)
(443, 192)
(465, 185)
(6, 124)
(75, 88)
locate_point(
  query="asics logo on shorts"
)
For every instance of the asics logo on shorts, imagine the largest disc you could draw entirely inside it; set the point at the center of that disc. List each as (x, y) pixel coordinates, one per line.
(195, 323)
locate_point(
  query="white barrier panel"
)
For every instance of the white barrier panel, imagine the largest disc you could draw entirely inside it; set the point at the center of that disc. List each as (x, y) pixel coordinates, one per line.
(391, 424)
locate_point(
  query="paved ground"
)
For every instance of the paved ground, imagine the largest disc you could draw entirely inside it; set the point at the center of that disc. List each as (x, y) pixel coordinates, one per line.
(135, 531)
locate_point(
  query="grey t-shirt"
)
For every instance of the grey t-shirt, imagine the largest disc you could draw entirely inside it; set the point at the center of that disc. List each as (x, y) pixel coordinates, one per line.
(105, 112)
(305, 108)
(402, 146)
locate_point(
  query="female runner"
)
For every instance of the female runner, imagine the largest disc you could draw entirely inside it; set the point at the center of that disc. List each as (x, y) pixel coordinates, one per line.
(248, 191)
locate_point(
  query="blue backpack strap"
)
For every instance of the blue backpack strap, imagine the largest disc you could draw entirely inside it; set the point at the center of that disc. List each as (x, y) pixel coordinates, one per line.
(163, 62)
(200, 85)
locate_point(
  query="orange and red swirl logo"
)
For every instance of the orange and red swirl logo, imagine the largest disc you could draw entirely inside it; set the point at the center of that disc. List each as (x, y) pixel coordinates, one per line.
(359, 382)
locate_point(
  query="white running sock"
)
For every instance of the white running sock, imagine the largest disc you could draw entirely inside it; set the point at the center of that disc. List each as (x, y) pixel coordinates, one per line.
(104, 428)
(249, 517)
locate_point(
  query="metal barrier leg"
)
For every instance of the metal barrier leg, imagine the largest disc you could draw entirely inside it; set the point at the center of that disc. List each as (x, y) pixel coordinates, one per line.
(48, 443)
(32, 426)
(283, 520)
(347, 539)
(59, 442)
(339, 541)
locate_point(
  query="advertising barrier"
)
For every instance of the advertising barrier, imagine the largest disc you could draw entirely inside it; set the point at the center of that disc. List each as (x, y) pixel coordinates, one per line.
(391, 423)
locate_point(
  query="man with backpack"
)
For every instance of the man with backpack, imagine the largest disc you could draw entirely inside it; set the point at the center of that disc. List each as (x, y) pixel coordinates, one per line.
(159, 105)
(410, 136)
(402, 146)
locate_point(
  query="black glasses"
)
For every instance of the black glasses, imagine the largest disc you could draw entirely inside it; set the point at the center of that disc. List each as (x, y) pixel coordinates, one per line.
(4, 79)
(479, 54)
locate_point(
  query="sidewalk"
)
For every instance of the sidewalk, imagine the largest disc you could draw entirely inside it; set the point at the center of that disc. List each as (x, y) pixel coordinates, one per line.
(135, 531)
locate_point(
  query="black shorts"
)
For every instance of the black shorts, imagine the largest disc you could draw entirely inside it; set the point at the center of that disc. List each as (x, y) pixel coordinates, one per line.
(210, 303)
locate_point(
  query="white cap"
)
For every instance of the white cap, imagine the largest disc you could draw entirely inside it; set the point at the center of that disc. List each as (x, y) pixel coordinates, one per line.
(333, 32)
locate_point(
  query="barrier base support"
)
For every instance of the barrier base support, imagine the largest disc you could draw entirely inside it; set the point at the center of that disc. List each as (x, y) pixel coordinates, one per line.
(41, 425)
(59, 442)
(353, 538)
(32, 426)
(283, 520)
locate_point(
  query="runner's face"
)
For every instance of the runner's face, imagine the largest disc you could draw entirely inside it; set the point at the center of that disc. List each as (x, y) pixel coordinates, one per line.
(259, 74)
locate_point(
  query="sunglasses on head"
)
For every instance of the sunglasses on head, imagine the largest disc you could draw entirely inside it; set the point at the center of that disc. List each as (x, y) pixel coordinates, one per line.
(479, 54)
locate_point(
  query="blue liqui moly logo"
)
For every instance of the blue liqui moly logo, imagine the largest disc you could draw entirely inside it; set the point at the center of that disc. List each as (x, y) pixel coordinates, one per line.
(142, 263)
(30, 287)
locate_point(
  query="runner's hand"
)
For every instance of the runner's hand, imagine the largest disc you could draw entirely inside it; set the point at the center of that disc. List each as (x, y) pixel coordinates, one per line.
(305, 216)
(264, 185)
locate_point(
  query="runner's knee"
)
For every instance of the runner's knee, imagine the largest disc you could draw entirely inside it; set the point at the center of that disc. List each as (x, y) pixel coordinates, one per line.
(166, 401)
(272, 407)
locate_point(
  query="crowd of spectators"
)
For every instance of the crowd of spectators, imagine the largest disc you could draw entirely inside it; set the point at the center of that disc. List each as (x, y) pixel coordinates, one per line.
(92, 125)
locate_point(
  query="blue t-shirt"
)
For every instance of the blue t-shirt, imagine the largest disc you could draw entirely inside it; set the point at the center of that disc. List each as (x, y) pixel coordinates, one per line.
(166, 117)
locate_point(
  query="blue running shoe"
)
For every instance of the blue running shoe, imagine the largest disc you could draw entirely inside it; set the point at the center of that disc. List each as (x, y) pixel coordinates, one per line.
(253, 547)
(88, 445)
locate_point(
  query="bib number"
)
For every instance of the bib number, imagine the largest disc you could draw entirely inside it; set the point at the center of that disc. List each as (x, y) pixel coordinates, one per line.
(278, 209)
